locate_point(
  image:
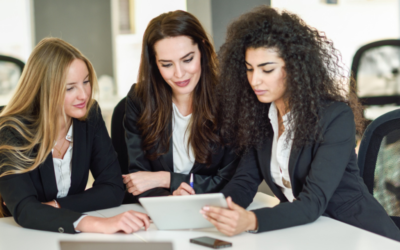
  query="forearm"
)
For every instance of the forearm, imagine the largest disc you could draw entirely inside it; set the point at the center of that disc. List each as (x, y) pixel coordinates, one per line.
(91, 224)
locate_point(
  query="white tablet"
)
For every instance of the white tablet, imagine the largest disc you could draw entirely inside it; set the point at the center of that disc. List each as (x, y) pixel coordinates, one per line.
(181, 212)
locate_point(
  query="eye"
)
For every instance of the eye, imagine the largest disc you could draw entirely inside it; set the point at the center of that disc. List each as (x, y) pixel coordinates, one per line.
(86, 82)
(188, 60)
(166, 65)
(268, 71)
(249, 70)
(68, 89)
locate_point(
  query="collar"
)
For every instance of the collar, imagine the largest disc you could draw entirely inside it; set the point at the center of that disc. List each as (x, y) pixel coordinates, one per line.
(273, 115)
(69, 137)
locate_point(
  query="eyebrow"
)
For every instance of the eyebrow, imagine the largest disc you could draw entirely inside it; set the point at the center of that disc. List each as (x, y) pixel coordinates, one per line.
(261, 64)
(75, 82)
(183, 57)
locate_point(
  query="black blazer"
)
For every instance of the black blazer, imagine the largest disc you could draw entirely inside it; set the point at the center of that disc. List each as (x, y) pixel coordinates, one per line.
(206, 179)
(325, 181)
(92, 150)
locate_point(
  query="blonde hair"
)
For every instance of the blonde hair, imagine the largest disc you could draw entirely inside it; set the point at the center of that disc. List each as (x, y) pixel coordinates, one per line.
(33, 111)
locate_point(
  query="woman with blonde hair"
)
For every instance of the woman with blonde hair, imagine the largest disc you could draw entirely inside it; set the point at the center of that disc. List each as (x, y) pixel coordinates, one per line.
(52, 133)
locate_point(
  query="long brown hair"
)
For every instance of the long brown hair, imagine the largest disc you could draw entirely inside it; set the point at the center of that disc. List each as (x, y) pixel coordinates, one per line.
(156, 94)
(29, 124)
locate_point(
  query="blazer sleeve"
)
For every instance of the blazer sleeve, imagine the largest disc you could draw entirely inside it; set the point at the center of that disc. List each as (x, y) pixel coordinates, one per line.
(20, 196)
(108, 189)
(136, 156)
(327, 168)
(244, 184)
(19, 193)
(210, 183)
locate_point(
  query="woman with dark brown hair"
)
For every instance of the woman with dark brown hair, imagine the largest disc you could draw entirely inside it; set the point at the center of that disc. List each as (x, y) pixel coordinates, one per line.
(172, 130)
(285, 107)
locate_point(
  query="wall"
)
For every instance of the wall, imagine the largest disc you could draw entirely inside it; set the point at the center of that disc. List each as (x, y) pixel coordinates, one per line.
(84, 24)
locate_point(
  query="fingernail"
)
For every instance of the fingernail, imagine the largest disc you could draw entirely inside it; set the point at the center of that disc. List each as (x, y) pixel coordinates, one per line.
(205, 216)
(202, 212)
(206, 208)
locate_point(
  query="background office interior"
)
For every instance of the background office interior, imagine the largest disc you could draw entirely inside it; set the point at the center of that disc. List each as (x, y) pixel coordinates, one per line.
(109, 32)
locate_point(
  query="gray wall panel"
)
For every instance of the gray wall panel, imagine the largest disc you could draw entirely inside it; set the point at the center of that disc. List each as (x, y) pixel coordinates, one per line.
(85, 24)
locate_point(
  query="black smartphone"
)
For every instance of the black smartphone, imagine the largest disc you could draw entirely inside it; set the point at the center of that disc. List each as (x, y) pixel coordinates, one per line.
(211, 242)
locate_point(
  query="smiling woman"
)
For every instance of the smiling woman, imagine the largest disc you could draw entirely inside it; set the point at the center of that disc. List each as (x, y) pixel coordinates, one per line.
(171, 124)
(52, 133)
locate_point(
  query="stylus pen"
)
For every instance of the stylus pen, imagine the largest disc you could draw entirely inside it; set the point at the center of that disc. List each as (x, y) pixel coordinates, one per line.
(191, 180)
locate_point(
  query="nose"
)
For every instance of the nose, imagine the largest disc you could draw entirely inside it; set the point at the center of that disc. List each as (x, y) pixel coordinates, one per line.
(82, 95)
(254, 78)
(179, 72)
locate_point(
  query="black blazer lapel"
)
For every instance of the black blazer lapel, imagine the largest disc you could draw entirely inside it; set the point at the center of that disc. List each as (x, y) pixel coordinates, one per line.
(79, 152)
(264, 159)
(48, 178)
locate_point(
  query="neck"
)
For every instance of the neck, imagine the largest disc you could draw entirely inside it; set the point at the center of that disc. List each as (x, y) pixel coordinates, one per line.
(281, 106)
(183, 103)
(64, 125)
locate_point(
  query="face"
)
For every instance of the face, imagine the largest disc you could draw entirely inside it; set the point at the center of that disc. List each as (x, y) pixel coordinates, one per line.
(266, 74)
(78, 89)
(178, 60)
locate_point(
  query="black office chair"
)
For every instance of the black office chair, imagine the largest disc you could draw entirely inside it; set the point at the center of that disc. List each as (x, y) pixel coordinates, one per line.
(10, 71)
(118, 141)
(376, 69)
(379, 162)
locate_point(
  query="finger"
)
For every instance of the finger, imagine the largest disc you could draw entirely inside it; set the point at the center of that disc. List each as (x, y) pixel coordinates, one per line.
(129, 184)
(183, 192)
(132, 221)
(223, 228)
(228, 220)
(232, 205)
(144, 217)
(187, 188)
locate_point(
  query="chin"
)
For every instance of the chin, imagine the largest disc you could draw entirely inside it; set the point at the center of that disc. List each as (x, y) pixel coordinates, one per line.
(264, 99)
(78, 114)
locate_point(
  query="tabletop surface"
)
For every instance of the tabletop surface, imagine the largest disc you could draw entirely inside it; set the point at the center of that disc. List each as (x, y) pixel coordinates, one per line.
(324, 233)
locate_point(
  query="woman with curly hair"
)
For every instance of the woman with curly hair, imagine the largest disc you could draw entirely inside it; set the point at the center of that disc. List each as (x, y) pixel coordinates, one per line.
(284, 107)
(172, 131)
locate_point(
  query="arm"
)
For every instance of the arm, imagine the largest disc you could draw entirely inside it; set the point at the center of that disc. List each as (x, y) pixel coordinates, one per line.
(244, 184)
(20, 196)
(107, 190)
(327, 168)
(210, 183)
(137, 158)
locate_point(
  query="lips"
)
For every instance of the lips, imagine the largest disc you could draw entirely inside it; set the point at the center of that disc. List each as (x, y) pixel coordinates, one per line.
(260, 92)
(80, 105)
(182, 83)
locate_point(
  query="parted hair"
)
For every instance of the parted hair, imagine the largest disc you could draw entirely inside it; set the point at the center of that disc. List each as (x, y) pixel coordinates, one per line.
(29, 124)
(156, 94)
(314, 76)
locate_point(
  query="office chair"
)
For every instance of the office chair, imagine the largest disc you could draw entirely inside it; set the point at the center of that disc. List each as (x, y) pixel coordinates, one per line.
(118, 141)
(379, 161)
(10, 71)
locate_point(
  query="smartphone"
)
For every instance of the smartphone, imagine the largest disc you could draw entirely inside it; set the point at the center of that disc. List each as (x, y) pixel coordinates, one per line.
(211, 242)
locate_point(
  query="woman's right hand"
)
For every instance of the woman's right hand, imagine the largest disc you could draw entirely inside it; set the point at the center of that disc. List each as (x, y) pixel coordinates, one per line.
(184, 189)
(127, 222)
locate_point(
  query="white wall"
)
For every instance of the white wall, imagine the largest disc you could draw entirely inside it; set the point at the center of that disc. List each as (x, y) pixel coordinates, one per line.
(15, 28)
(351, 23)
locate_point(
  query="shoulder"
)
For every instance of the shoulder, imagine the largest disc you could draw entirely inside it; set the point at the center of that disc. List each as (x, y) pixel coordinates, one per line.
(337, 112)
(133, 101)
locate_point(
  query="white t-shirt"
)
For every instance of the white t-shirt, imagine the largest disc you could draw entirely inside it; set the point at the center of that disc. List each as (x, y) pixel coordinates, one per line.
(183, 157)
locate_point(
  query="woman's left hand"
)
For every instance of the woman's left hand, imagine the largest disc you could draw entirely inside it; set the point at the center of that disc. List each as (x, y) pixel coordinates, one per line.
(231, 221)
(139, 182)
(51, 203)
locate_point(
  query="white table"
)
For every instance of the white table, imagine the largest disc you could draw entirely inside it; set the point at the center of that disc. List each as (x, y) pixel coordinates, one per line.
(325, 233)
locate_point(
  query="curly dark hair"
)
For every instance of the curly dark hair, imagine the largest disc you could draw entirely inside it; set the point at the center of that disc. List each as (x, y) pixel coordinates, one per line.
(313, 77)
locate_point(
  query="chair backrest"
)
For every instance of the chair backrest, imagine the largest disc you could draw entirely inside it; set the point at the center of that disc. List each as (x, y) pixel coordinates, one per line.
(10, 72)
(376, 69)
(118, 135)
(379, 161)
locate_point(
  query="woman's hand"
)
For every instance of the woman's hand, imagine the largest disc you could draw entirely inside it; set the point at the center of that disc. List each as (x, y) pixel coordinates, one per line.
(232, 221)
(52, 203)
(127, 222)
(139, 182)
(184, 189)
